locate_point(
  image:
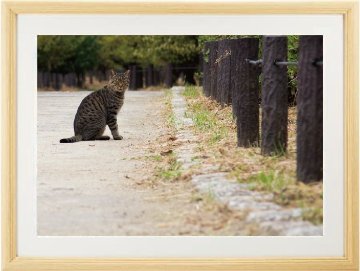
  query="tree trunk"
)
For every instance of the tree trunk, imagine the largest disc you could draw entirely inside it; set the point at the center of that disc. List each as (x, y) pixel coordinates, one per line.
(168, 75)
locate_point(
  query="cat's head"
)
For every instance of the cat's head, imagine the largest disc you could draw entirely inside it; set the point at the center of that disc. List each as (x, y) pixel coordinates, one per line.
(119, 81)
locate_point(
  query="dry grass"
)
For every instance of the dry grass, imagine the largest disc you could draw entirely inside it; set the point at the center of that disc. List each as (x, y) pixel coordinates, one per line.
(216, 128)
(167, 167)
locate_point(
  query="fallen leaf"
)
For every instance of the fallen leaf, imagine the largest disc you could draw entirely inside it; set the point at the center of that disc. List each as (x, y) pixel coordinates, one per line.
(163, 153)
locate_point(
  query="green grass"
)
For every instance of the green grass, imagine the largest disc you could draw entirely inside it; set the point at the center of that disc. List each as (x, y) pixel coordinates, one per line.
(269, 181)
(280, 150)
(170, 120)
(171, 170)
(191, 91)
(168, 168)
(204, 119)
(156, 157)
(282, 187)
(275, 174)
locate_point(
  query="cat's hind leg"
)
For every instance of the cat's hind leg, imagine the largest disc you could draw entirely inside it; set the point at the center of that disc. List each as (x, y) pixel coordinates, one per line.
(91, 134)
(100, 135)
(94, 131)
(103, 137)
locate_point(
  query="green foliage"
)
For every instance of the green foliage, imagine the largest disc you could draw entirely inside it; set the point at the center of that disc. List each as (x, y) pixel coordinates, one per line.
(205, 38)
(83, 53)
(158, 50)
(68, 53)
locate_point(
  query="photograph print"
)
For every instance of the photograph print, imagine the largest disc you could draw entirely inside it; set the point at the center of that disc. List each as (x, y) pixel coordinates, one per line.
(198, 135)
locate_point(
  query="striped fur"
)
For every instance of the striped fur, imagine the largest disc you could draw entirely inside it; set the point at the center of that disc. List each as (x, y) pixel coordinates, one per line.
(99, 109)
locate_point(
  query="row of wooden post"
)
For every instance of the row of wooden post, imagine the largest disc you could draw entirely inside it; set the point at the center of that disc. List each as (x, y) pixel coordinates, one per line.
(231, 75)
(150, 76)
(56, 81)
(139, 78)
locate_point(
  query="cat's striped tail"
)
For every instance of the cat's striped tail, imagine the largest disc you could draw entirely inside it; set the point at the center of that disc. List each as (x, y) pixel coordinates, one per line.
(72, 139)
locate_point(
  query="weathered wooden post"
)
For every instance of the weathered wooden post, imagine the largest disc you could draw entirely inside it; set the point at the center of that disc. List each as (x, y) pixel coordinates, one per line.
(73, 79)
(80, 79)
(40, 79)
(224, 72)
(310, 110)
(156, 77)
(245, 92)
(206, 70)
(53, 80)
(168, 75)
(46, 77)
(139, 77)
(132, 84)
(67, 79)
(58, 81)
(213, 45)
(133, 77)
(274, 96)
(149, 75)
(62, 80)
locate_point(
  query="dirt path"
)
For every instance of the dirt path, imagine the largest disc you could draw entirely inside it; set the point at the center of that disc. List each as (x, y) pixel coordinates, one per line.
(96, 188)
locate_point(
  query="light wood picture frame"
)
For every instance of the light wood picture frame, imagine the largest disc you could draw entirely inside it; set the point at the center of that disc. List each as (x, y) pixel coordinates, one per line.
(10, 259)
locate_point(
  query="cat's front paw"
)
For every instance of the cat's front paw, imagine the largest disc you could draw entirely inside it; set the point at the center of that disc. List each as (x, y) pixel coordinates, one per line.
(119, 137)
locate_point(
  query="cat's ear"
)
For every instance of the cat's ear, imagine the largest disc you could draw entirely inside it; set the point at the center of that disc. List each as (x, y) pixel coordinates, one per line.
(127, 73)
(112, 72)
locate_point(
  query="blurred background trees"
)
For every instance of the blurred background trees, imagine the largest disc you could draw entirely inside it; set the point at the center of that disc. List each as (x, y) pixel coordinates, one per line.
(88, 54)
(74, 60)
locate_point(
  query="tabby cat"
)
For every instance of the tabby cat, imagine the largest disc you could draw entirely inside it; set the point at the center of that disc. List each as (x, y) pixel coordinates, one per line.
(99, 109)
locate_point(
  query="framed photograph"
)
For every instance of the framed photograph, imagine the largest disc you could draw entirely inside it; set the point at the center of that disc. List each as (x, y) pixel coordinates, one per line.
(180, 135)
